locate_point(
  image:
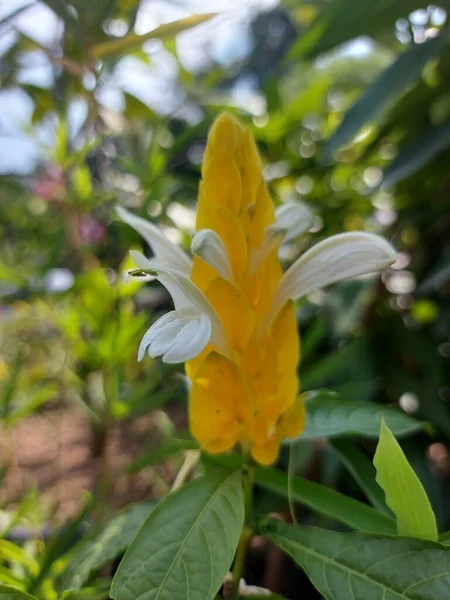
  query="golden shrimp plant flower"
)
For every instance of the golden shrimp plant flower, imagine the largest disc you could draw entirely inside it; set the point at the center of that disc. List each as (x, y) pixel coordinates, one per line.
(234, 322)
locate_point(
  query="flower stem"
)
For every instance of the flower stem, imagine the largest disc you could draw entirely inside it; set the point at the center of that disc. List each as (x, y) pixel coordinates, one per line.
(239, 561)
(247, 532)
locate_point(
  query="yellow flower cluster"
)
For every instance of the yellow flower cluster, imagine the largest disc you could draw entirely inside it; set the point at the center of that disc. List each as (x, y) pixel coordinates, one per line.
(249, 397)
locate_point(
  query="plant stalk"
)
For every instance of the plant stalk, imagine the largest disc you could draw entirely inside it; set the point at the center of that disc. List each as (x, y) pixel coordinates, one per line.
(247, 531)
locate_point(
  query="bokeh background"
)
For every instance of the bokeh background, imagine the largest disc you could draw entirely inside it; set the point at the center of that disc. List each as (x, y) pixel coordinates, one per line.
(350, 104)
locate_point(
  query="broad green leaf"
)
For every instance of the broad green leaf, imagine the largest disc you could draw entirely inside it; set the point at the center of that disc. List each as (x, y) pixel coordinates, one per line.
(91, 554)
(404, 493)
(133, 41)
(385, 89)
(362, 471)
(326, 501)
(10, 593)
(186, 546)
(328, 416)
(361, 566)
(417, 154)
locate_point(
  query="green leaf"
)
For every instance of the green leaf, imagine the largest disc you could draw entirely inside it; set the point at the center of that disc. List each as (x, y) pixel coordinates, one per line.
(133, 41)
(338, 22)
(385, 90)
(16, 554)
(91, 554)
(438, 276)
(417, 154)
(99, 592)
(365, 567)
(328, 416)
(10, 593)
(186, 546)
(405, 495)
(444, 538)
(362, 471)
(136, 109)
(326, 501)
(153, 457)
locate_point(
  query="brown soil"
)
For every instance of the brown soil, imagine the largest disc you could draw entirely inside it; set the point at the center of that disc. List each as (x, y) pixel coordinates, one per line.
(53, 452)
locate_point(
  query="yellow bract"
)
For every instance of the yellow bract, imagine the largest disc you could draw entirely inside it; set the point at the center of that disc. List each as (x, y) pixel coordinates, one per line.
(250, 397)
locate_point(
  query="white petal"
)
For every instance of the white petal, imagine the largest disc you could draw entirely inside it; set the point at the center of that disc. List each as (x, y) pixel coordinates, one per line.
(165, 251)
(190, 341)
(208, 245)
(337, 258)
(164, 340)
(273, 237)
(295, 217)
(177, 336)
(186, 295)
(153, 331)
(292, 219)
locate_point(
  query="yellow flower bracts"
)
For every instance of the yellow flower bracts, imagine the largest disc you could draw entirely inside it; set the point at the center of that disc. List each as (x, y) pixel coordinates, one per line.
(233, 322)
(249, 397)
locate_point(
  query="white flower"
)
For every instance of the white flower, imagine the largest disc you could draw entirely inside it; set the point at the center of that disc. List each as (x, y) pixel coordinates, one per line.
(182, 334)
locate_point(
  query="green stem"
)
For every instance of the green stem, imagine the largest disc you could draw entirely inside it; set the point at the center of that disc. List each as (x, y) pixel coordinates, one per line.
(239, 561)
(247, 532)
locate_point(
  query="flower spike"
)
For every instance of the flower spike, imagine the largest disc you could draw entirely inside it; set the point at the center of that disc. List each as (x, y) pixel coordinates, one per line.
(234, 321)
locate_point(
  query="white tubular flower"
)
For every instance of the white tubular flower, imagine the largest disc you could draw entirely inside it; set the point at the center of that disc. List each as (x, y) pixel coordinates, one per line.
(295, 218)
(292, 220)
(178, 336)
(208, 245)
(165, 251)
(334, 259)
(194, 322)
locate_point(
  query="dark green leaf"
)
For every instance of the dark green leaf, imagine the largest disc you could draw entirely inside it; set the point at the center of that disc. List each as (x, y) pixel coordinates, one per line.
(10, 593)
(329, 416)
(339, 22)
(91, 554)
(186, 546)
(363, 567)
(417, 154)
(444, 538)
(326, 501)
(362, 471)
(385, 90)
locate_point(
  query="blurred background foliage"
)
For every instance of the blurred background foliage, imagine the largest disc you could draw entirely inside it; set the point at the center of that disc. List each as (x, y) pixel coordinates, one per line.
(350, 105)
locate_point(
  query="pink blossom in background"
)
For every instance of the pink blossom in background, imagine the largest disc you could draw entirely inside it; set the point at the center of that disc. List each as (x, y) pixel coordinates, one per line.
(50, 184)
(90, 230)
